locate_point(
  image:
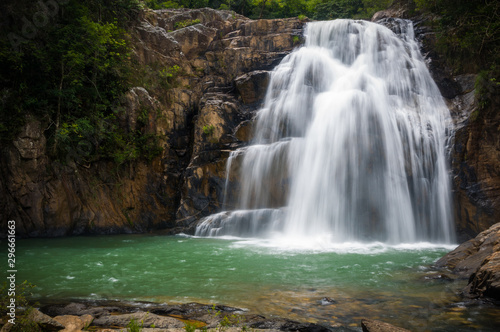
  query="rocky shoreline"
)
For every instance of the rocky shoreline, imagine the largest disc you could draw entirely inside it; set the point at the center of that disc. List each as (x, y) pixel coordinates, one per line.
(108, 316)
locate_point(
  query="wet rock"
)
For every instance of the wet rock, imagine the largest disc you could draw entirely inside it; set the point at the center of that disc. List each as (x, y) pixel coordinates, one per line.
(438, 276)
(370, 325)
(485, 282)
(469, 256)
(327, 301)
(287, 325)
(479, 260)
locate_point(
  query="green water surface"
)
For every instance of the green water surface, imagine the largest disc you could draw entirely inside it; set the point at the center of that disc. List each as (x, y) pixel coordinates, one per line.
(377, 281)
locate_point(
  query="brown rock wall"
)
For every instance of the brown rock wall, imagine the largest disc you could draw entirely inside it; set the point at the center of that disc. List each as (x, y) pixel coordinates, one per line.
(80, 196)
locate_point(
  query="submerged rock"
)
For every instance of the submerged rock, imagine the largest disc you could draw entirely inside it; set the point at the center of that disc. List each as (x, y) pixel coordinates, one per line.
(327, 301)
(369, 325)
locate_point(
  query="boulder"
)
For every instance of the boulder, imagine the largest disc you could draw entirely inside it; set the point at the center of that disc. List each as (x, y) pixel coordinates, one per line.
(46, 322)
(479, 260)
(485, 282)
(469, 256)
(74, 323)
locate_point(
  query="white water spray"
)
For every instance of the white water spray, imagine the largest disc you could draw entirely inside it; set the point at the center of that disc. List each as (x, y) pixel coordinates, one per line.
(349, 145)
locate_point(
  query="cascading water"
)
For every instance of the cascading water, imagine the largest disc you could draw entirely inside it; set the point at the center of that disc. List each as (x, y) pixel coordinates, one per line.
(349, 146)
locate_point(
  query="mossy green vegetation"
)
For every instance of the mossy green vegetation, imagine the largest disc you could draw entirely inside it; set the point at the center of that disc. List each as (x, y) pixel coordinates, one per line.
(23, 306)
(468, 37)
(316, 9)
(68, 64)
(186, 23)
(135, 326)
(468, 32)
(208, 130)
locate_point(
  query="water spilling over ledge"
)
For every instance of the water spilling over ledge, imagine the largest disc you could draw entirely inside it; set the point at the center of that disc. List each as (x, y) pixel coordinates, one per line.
(349, 145)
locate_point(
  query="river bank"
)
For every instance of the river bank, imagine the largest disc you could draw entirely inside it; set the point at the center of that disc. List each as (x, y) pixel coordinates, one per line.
(107, 316)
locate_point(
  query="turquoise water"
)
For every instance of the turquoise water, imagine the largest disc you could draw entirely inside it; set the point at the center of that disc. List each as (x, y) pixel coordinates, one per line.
(365, 281)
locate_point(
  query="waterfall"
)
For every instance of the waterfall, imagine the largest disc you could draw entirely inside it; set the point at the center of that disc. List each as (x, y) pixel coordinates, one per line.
(349, 145)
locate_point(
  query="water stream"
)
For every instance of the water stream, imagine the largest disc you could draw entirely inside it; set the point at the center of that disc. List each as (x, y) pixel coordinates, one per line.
(349, 145)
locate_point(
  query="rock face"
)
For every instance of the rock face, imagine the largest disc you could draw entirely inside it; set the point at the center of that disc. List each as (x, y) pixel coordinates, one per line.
(479, 260)
(222, 66)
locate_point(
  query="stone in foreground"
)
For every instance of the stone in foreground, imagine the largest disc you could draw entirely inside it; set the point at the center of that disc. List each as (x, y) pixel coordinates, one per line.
(370, 325)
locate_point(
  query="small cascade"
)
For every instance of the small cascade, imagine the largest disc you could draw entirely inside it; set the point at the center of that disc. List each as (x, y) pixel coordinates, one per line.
(349, 145)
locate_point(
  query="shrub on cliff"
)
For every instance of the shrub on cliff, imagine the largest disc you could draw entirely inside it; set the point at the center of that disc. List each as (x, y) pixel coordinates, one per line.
(468, 32)
(67, 62)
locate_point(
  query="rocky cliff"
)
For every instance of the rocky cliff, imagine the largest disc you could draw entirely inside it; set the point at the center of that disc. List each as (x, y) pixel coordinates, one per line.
(221, 62)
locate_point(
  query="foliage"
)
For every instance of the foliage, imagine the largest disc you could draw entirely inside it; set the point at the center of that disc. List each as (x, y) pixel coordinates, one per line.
(70, 72)
(468, 38)
(154, 77)
(189, 326)
(469, 32)
(370, 7)
(226, 321)
(22, 301)
(317, 9)
(134, 326)
(487, 86)
(329, 10)
(208, 130)
(168, 75)
(156, 4)
(22, 295)
(186, 23)
(73, 67)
